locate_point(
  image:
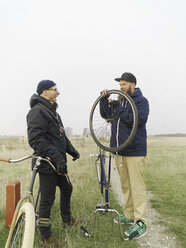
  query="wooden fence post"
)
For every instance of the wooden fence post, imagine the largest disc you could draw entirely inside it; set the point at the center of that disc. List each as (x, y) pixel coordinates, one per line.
(12, 198)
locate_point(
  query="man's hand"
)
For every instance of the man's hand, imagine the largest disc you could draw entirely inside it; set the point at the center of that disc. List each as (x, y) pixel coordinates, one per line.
(73, 152)
(62, 167)
(104, 93)
(76, 155)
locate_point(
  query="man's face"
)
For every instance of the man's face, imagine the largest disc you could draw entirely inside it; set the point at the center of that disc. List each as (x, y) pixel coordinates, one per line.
(51, 94)
(127, 87)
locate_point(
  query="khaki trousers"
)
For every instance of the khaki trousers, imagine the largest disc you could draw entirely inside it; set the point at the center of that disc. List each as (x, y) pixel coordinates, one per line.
(130, 170)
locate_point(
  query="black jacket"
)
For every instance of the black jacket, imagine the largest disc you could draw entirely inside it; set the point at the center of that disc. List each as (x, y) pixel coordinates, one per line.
(46, 134)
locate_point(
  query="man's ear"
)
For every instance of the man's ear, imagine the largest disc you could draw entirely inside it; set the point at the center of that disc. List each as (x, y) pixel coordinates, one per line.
(133, 85)
(44, 93)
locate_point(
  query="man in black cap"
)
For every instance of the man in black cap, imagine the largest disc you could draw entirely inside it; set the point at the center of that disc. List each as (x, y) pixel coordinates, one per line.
(130, 161)
(47, 137)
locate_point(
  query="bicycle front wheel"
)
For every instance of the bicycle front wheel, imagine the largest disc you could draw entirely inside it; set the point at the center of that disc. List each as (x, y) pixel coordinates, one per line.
(102, 120)
(22, 234)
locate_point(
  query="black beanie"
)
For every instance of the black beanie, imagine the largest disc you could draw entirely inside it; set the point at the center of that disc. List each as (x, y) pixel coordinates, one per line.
(44, 85)
(127, 76)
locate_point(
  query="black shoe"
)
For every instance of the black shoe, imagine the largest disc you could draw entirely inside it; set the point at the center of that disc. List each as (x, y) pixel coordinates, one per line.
(53, 242)
(73, 221)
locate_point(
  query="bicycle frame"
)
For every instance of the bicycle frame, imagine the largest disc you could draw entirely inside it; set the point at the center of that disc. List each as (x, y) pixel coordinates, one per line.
(104, 183)
(103, 180)
(103, 112)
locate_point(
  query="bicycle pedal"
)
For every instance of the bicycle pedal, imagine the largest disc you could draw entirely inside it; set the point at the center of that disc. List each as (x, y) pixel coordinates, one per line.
(85, 232)
(100, 205)
(43, 222)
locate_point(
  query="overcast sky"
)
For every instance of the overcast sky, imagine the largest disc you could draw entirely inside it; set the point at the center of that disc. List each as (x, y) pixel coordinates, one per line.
(82, 46)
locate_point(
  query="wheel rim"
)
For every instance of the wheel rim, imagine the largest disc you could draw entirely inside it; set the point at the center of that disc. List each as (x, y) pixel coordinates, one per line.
(100, 127)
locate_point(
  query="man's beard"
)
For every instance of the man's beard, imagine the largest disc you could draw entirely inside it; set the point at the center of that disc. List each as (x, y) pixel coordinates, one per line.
(129, 92)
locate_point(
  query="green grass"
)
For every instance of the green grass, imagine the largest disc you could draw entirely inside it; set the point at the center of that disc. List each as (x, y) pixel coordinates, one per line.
(86, 195)
(165, 176)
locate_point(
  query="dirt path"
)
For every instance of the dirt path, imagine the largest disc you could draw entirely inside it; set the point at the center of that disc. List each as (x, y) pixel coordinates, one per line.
(156, 236)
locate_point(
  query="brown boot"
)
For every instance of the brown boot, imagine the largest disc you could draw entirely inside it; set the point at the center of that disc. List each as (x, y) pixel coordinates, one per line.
(74, 221)
(53, 242)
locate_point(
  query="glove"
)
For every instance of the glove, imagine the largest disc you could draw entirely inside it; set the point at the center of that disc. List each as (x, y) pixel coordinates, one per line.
(62, 167)
(73, 152)
(76, 155)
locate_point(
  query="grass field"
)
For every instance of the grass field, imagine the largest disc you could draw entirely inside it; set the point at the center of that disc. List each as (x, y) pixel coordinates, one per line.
(165, 175)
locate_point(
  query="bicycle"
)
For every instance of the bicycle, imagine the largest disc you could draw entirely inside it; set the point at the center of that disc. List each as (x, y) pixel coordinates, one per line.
(22, 229)
(101, 131)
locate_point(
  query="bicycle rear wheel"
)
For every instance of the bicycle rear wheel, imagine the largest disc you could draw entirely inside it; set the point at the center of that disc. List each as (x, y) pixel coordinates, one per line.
(22, 234)
(101, 124)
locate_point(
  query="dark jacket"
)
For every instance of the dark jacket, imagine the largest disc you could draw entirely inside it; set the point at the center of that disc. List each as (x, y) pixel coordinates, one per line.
(122, 124)
(46, 134)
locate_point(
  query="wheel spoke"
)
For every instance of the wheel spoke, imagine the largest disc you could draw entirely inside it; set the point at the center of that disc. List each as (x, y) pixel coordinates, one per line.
(104, 121)
(18, 232)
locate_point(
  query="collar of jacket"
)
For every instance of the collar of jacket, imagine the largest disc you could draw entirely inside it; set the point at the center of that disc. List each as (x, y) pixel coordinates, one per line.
(136, 93)
(35, 99)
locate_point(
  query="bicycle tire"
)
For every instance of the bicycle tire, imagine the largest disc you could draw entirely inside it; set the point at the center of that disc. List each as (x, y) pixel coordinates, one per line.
(22, 234)
(134, 126)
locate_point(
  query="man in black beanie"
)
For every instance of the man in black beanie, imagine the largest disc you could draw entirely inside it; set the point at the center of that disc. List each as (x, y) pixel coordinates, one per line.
(130, 161)
(47, 137)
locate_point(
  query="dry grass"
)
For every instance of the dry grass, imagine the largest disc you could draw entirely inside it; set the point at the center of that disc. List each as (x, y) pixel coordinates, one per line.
(14, 148)
(86, 195)
(165, 175)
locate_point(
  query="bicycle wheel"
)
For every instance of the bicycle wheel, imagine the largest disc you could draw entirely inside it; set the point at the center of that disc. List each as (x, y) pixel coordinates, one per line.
(22, 234)
(104, 121)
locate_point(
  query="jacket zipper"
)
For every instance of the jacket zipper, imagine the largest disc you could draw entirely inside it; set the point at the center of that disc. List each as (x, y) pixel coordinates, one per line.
(117, 132)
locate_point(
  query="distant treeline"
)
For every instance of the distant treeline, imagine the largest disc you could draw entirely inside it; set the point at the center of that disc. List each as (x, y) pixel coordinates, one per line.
(155, 135)
(171, 135)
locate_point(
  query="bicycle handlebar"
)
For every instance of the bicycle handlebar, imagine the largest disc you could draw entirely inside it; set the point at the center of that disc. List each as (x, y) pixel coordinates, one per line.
(5, 160)
(30, 156)
(98, 155)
